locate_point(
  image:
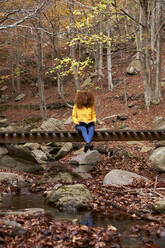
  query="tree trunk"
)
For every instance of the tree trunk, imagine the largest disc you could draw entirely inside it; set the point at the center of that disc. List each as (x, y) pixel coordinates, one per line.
(145, 58)
(139, 36)
(153, 30)
(151, 51)
(17, 69)
(157, 86)
(72, 49)
(40, 72)
(109, 62)
(61, 91)
(100, 64)
(12, 62)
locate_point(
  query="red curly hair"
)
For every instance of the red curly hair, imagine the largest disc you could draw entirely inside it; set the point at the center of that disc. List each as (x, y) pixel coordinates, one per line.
(84, 98)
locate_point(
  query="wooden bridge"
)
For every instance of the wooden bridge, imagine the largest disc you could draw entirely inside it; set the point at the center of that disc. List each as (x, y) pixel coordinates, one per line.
(74, 136)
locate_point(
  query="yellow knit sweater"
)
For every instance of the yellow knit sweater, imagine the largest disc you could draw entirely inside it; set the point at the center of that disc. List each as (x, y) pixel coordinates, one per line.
(84, 114)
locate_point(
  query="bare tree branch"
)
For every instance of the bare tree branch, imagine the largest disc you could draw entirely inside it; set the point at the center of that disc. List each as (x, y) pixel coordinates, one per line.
(29, 14)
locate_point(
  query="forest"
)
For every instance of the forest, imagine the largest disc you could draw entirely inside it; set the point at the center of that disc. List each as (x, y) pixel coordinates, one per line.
(50, 197)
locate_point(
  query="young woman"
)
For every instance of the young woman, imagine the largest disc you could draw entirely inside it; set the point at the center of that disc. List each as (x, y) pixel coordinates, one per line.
(84, 116)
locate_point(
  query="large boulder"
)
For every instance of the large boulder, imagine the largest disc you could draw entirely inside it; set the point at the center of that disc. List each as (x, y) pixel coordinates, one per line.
(52, 124)
(18, 158)
(18, 164)
(90, 157)
(121, 177)
(134, 67)
(69, 197)
(65, 149)
(19, 151)
(158, 158)
(83, 163)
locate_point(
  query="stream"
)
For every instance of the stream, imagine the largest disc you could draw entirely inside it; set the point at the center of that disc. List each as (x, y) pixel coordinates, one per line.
(118, 219)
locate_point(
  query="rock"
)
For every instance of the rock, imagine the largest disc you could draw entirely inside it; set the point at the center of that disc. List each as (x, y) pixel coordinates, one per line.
(160, 143)
(3, 151)
(3, 122)
(18, 164)
(67, 147)
(69, 197)
(78, 152)
(21, 152)
(4, 88)
(83, 163)
(19, 97)
(13, 128)
(155, 101)
(163, 84)
(32, 146)
(131, 105)
(122, 117)
(52, 124)
(158, 158)
(68, 121)
(134, 67)
(40, 156)
(159, 206)
(15, 179)
(121, 177)
(159, 122)
(123, 154)
(4, 99)
(124, 126)
(145, 149)
(90, 157)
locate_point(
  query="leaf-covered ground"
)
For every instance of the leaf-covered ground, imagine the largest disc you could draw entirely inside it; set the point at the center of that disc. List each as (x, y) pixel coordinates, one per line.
(136, 201)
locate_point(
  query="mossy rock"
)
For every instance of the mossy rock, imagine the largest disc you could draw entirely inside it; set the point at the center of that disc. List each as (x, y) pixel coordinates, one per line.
(69, 197)
(159, 206)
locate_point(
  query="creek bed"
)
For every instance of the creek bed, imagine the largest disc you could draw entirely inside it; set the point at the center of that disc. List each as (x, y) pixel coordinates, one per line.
(123, 222)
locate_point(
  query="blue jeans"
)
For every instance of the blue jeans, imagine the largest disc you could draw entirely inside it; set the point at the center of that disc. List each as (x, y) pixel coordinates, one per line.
(87, 132)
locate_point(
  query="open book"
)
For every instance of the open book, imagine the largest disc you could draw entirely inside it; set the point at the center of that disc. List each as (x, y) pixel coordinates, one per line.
(91, 123)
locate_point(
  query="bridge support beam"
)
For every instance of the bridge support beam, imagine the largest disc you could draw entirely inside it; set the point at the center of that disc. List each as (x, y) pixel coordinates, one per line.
(73, 136)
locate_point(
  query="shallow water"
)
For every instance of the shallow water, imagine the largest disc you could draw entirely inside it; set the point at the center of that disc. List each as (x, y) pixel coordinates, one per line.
(116, 218)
